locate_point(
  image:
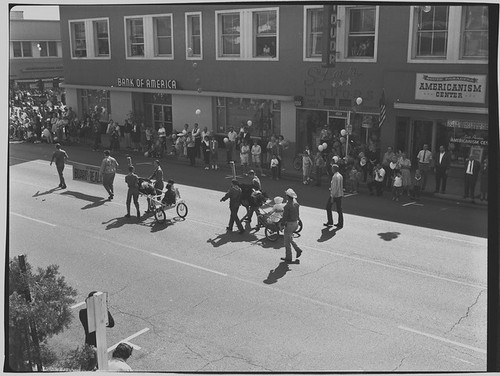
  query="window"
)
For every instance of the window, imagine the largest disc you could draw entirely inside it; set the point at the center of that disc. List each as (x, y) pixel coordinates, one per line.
(361, 38)
(47, 48)
(475, 32)
(22, 49)
(95, 101)
(432, 31)
(247, 34)
(101, 38)
(193, 36)
(90, 38)
(313, 33)
(448, 34)
(149, 36)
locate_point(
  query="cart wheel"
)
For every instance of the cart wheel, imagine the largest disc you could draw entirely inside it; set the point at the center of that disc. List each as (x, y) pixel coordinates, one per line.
(151, 205)
(160, 215)
(182, 210)
(299, 228)
(271, 234)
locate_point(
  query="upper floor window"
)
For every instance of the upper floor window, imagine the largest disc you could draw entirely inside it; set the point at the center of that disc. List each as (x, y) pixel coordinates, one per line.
(47, 48)
(22, 49)
(149, 36)
(313, 32)
(448, 34)
(432, 31)
(247, 34)
(361, 36)
(475, 32)
(193, 36)
(89, 38)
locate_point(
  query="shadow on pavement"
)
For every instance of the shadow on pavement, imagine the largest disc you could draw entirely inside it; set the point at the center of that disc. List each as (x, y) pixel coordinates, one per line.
(388, 236)
(231, 237)
(277, 273)
(38, 193)
(326, 234)
(118, 222)
(95, 201)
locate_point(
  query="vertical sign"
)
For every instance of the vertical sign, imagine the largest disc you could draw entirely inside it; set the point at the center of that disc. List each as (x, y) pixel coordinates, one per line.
(330, 36)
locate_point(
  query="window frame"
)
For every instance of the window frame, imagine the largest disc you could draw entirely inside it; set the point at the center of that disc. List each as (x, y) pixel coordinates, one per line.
(90, 39)
(188, 17)
(22, 44)
(247, 34)
(462, 55)
(47, 47)
(150, 42)
(454, 42)
(307, 31)
(96, 38)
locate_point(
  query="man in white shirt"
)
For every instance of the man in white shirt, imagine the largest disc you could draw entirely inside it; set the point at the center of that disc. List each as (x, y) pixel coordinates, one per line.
(232, 135)
(378, 180)
(336, 194)
(424, 158)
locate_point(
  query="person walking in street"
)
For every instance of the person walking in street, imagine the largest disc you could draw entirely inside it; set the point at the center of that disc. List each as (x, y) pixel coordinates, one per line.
(472, 168)
(60, 157)
(118, 361)
(442, 162)
(336, 194)
(424, 157)
(290, 221)
(132, 181)
(108, 172)
(234, 196)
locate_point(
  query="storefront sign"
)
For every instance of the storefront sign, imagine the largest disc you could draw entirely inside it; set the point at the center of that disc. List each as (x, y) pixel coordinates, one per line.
(467, 124)
(330, 30)
(469, 140)
(460, 88)
(88, 173)
(147, 83)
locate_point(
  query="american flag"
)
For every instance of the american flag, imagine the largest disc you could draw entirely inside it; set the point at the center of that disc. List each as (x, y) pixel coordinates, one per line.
(382, 114)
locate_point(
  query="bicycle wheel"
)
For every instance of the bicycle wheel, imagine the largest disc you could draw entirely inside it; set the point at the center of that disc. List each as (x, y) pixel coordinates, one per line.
(160, 215)
(182, 210)
(297, 163)
(271, 234)
(151, 205)
(299, 228)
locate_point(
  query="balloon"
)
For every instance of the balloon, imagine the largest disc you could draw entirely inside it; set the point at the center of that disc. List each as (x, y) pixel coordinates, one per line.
(343, 132)
(146, 154)
(226, 140)
(359, 100)
(198, 111)
(195, 65)
(320, 148)
(325, 145)
(199, 90)
(249, 123)
(335, 158)
(342, 140)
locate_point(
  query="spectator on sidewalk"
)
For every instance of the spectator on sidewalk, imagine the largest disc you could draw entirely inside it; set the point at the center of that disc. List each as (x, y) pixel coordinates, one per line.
(319, 165)
(472, 168)
(397, 185)
(214, 152)
(256, 153)
(483, 180)
(386, 160)
(405, 164)
(378, 180)
(118, 361)
(417, 185)
(441, 164)
(424, 157)
(307, 164)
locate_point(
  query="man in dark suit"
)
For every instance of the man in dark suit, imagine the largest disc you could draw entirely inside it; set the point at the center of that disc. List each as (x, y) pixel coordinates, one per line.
(471, 173)
(441, 163)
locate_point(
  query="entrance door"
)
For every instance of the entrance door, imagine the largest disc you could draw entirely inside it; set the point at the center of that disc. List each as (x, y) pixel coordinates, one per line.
(420, 134)
(162, 115)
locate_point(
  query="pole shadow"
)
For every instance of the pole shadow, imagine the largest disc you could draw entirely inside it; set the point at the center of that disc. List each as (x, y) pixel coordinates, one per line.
(38, 193)
(277, 273)
(388, 236)
(327, 233)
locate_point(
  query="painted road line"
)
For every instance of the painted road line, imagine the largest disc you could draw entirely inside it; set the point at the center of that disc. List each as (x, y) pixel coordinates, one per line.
(77, 305)
(443, 339)
(37, 161)
(350, 194)
(129, 338)
(188, 264)
(33, 219)
(412, 203)
(461, 240)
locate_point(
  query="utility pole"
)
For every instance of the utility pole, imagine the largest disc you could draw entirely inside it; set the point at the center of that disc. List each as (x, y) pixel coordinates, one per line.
(97, 315)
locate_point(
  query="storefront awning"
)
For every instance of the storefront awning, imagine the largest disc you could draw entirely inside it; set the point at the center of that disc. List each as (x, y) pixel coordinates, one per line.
(440, 108)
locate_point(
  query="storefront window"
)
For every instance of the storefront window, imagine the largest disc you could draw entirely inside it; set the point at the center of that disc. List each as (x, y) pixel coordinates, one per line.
(461, 137)
(96, 101)
(263, 113)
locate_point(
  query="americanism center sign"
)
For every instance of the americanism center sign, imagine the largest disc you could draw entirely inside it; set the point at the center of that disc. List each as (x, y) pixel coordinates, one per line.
(461, 88)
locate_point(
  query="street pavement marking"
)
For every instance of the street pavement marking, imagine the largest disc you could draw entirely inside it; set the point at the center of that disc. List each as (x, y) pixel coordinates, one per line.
(412, 203)
(33, 219)
(37, 161)
(126, 340)
(462, 360)
(443, 339)
(398, 268)
(77, 305)
(460, 240)
(188, 264)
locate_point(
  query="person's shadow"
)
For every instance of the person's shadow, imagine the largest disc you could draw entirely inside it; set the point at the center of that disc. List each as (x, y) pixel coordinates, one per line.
(277, 273)
(388, 236)
(118, 222)
(326, 234)
(234, 237)
(94, 200)
(38, 193)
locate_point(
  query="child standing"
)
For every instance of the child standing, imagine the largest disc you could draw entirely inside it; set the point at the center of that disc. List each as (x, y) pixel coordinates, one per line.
(214, 152)
(274, 167)
(397, 185)
(244, 154)
(417, 185)
(307, 164)
(353, 179)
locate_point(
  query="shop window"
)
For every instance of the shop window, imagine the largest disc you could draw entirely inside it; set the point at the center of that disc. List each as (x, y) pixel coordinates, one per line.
(475, 32)
(22, 49)
(193, 36)
(461, 137)
(163, 36)
(90, 39)
(47, 49)
(432, 31)
(247, 34)
(361, 37)
(135, 36)
(313, 33)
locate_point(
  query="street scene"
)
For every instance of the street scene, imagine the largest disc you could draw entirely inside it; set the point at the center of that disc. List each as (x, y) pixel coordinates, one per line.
(205, 224)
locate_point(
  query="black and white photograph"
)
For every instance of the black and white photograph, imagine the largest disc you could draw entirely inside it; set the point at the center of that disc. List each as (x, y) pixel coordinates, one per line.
(264, 187)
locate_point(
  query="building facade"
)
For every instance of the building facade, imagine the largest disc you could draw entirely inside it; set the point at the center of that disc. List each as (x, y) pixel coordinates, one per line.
(35, 53)
(289, 68)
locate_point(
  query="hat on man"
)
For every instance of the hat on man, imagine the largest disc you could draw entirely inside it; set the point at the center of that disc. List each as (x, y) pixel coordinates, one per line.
(290, 192)
(251, 172)
(278, 200)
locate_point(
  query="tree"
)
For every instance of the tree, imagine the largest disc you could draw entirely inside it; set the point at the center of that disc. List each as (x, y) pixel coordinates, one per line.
(39, 307)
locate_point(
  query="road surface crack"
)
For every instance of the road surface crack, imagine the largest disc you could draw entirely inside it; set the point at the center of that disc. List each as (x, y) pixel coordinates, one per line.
(400, 363)
(466, 313)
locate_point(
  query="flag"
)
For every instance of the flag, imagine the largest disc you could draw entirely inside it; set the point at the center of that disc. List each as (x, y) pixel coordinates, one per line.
(382, 114)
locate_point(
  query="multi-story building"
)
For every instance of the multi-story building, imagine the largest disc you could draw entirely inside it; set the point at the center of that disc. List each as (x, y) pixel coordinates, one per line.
(35, 53)
(289, 68)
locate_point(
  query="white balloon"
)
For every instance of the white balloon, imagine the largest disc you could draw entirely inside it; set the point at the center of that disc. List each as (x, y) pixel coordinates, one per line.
(335, 159)
(226, 140)
(325, 145)
(198, 111)
(359, 100)
(320, 147)
(343, 132)
(249, 123)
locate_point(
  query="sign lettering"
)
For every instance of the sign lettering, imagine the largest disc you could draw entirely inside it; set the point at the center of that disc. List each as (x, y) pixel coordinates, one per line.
(465, 88)
(330, 31)
(88, 173)
(147, 83)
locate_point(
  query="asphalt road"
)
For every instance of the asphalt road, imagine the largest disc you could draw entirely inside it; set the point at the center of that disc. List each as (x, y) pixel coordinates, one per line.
(381, 295)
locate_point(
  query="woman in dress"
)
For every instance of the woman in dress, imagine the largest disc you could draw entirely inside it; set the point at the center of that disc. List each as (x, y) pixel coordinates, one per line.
(405, 165)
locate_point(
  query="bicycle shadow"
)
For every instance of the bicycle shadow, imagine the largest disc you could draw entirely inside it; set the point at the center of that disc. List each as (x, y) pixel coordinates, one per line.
(277, 273)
